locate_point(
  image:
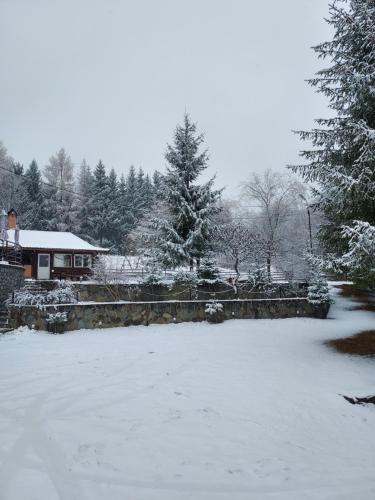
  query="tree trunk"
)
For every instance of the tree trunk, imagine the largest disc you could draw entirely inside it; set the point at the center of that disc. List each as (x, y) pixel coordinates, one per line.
(237, 276)
(236, 267)
(269, 266)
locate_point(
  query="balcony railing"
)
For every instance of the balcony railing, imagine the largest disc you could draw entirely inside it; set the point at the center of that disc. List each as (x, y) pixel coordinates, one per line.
(10, 252)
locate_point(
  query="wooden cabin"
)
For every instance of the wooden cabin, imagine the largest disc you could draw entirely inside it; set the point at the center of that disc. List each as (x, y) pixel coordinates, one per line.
(53, 254)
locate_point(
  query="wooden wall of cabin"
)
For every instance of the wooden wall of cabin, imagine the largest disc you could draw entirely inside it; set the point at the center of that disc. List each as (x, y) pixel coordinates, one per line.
(30, 263)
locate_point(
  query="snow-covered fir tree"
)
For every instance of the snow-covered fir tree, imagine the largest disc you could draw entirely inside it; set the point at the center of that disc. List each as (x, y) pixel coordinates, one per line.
(114, 224)
(133, 193)
(113, 185)
(100, 210)
(184, 236)
(360, 257)
(158, 184)
(32, 206)
(342, 161)
(134, 199)
(148, 192)
(208, 270)
(59, 193)
(317, 290)
(141, 195)
(125, 213)
(84, 189)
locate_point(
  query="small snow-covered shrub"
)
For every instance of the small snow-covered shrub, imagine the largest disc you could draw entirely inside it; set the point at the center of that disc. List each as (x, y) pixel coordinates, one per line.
(214, 312)
(213, 307)
(154, 276)
(318, 292)
(28, 298)
(62, 294)
(185, 278)
(260, 280)
(57, 318)
(56, 322)
(208, 272)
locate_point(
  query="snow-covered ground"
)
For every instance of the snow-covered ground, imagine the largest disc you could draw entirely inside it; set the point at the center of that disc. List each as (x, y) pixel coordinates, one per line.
(248, 409)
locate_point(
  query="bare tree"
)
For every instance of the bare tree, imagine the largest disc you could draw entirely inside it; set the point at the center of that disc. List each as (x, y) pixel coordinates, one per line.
(10, 176)
(273, 197)
(237, 242)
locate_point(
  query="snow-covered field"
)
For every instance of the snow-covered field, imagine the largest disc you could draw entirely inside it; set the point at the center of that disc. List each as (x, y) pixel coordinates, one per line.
(248, 409)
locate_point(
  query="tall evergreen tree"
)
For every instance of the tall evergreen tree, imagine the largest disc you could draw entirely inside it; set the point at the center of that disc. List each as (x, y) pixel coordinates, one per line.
(113, 185)
(125, 214)
(140, 179)
(183, 238)
(84, 188)
(85, 180)
(133, 195)
(60, 200)
(158, 184)
(115, 233)
(148, 193)
(142, 194)
(342, 161)
(32, 203)
(99, 218)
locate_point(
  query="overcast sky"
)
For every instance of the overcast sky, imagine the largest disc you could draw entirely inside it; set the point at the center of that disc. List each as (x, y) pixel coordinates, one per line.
(110, 79)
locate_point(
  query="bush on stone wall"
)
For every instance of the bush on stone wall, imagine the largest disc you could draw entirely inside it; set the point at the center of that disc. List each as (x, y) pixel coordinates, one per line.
(62, 294)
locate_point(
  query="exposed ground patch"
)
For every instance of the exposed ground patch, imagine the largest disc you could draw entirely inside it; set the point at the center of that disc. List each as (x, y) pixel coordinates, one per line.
(361, 344)
(348, 290)
(365, 307)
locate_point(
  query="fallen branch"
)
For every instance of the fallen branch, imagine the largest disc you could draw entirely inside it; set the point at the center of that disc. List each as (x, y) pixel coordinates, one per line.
(360, 401)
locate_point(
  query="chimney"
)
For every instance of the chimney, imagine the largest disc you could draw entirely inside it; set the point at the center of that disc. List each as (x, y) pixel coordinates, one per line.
(12, 219)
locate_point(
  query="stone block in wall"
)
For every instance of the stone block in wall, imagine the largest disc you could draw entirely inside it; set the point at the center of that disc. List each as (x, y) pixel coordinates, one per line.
(11, 279)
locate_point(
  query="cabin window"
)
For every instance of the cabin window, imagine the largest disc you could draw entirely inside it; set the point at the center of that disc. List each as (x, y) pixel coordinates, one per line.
(82, 260)
(62, 260)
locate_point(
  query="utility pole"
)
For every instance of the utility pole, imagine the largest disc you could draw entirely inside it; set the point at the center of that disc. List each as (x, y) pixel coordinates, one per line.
(309, 218)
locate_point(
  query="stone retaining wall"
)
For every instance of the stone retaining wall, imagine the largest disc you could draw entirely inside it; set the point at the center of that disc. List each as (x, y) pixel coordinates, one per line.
(143, 313)
(97, 292)
(11, 278)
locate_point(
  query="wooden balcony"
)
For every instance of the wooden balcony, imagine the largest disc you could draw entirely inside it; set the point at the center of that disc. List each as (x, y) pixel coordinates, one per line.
(10, 252)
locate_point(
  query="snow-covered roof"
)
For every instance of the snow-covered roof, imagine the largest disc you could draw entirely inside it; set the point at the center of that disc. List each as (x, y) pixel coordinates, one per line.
(52, 240)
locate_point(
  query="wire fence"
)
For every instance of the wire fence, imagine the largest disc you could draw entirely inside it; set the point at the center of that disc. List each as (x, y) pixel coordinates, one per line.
(138, 274)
